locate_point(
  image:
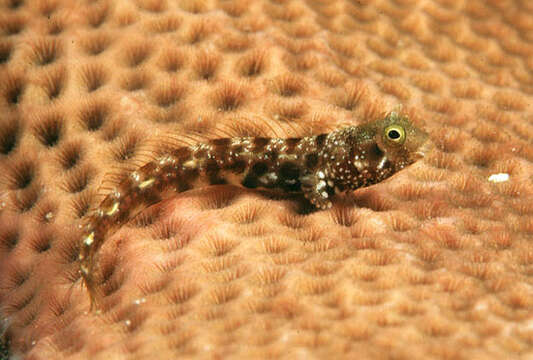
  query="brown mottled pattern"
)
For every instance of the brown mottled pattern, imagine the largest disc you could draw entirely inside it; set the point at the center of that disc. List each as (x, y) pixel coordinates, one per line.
(349, 158)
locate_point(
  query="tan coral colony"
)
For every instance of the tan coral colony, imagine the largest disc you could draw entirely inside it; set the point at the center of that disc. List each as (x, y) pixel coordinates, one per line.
(434, 263)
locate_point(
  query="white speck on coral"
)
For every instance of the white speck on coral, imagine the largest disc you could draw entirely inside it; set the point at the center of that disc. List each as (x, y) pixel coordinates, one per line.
(528, 325)
(498, 178)
(127, 322)
(139, 301)
(481, 306)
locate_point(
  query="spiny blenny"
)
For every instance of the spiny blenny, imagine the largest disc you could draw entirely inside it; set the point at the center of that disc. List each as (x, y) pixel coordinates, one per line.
(317, 166)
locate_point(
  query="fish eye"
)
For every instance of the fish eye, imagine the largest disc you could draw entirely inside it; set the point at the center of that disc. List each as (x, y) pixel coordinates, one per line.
(395, 133)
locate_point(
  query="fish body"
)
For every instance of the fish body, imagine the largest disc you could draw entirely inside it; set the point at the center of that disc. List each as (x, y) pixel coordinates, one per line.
(317, 166)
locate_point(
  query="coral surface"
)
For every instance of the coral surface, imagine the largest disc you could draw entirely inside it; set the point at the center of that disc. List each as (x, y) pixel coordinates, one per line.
(436, 262)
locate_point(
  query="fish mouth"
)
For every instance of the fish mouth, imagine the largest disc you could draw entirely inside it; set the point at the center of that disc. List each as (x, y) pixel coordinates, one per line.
(423, 150)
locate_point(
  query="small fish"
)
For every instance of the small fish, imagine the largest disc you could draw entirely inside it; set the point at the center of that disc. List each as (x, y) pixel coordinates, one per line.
(317, 166)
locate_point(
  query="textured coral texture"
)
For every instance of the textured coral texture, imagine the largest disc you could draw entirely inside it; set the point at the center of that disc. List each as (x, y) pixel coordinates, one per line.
(436, 262)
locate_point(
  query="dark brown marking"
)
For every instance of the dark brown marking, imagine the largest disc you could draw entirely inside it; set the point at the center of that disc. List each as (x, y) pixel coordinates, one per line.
(223, 142)
(182, 153)
(237, 149)
(250, 181)
(289, 170)
(259, 168)
(211, 167)
(377, 152)
(291, 144)
(272, 155)
(289, 174)
(311, 160)
(237, 166)
(260, 143)
(320, 139)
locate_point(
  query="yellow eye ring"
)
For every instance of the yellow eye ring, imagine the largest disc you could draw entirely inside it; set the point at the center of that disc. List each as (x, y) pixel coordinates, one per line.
(395, 134)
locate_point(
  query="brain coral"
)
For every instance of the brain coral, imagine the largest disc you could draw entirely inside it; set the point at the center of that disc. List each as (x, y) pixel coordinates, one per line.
(434, 263)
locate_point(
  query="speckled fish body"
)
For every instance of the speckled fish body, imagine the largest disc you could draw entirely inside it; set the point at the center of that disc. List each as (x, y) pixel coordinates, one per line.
(317, 166)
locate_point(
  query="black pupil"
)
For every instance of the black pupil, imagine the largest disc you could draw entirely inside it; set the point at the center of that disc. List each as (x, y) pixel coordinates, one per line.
(394, 134)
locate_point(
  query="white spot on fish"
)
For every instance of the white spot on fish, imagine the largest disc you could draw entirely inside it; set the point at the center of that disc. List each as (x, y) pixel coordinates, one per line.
(382, 162)
(146, 183)
(89, 239)
(191, 164)
(113, 209)
(135, 175)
